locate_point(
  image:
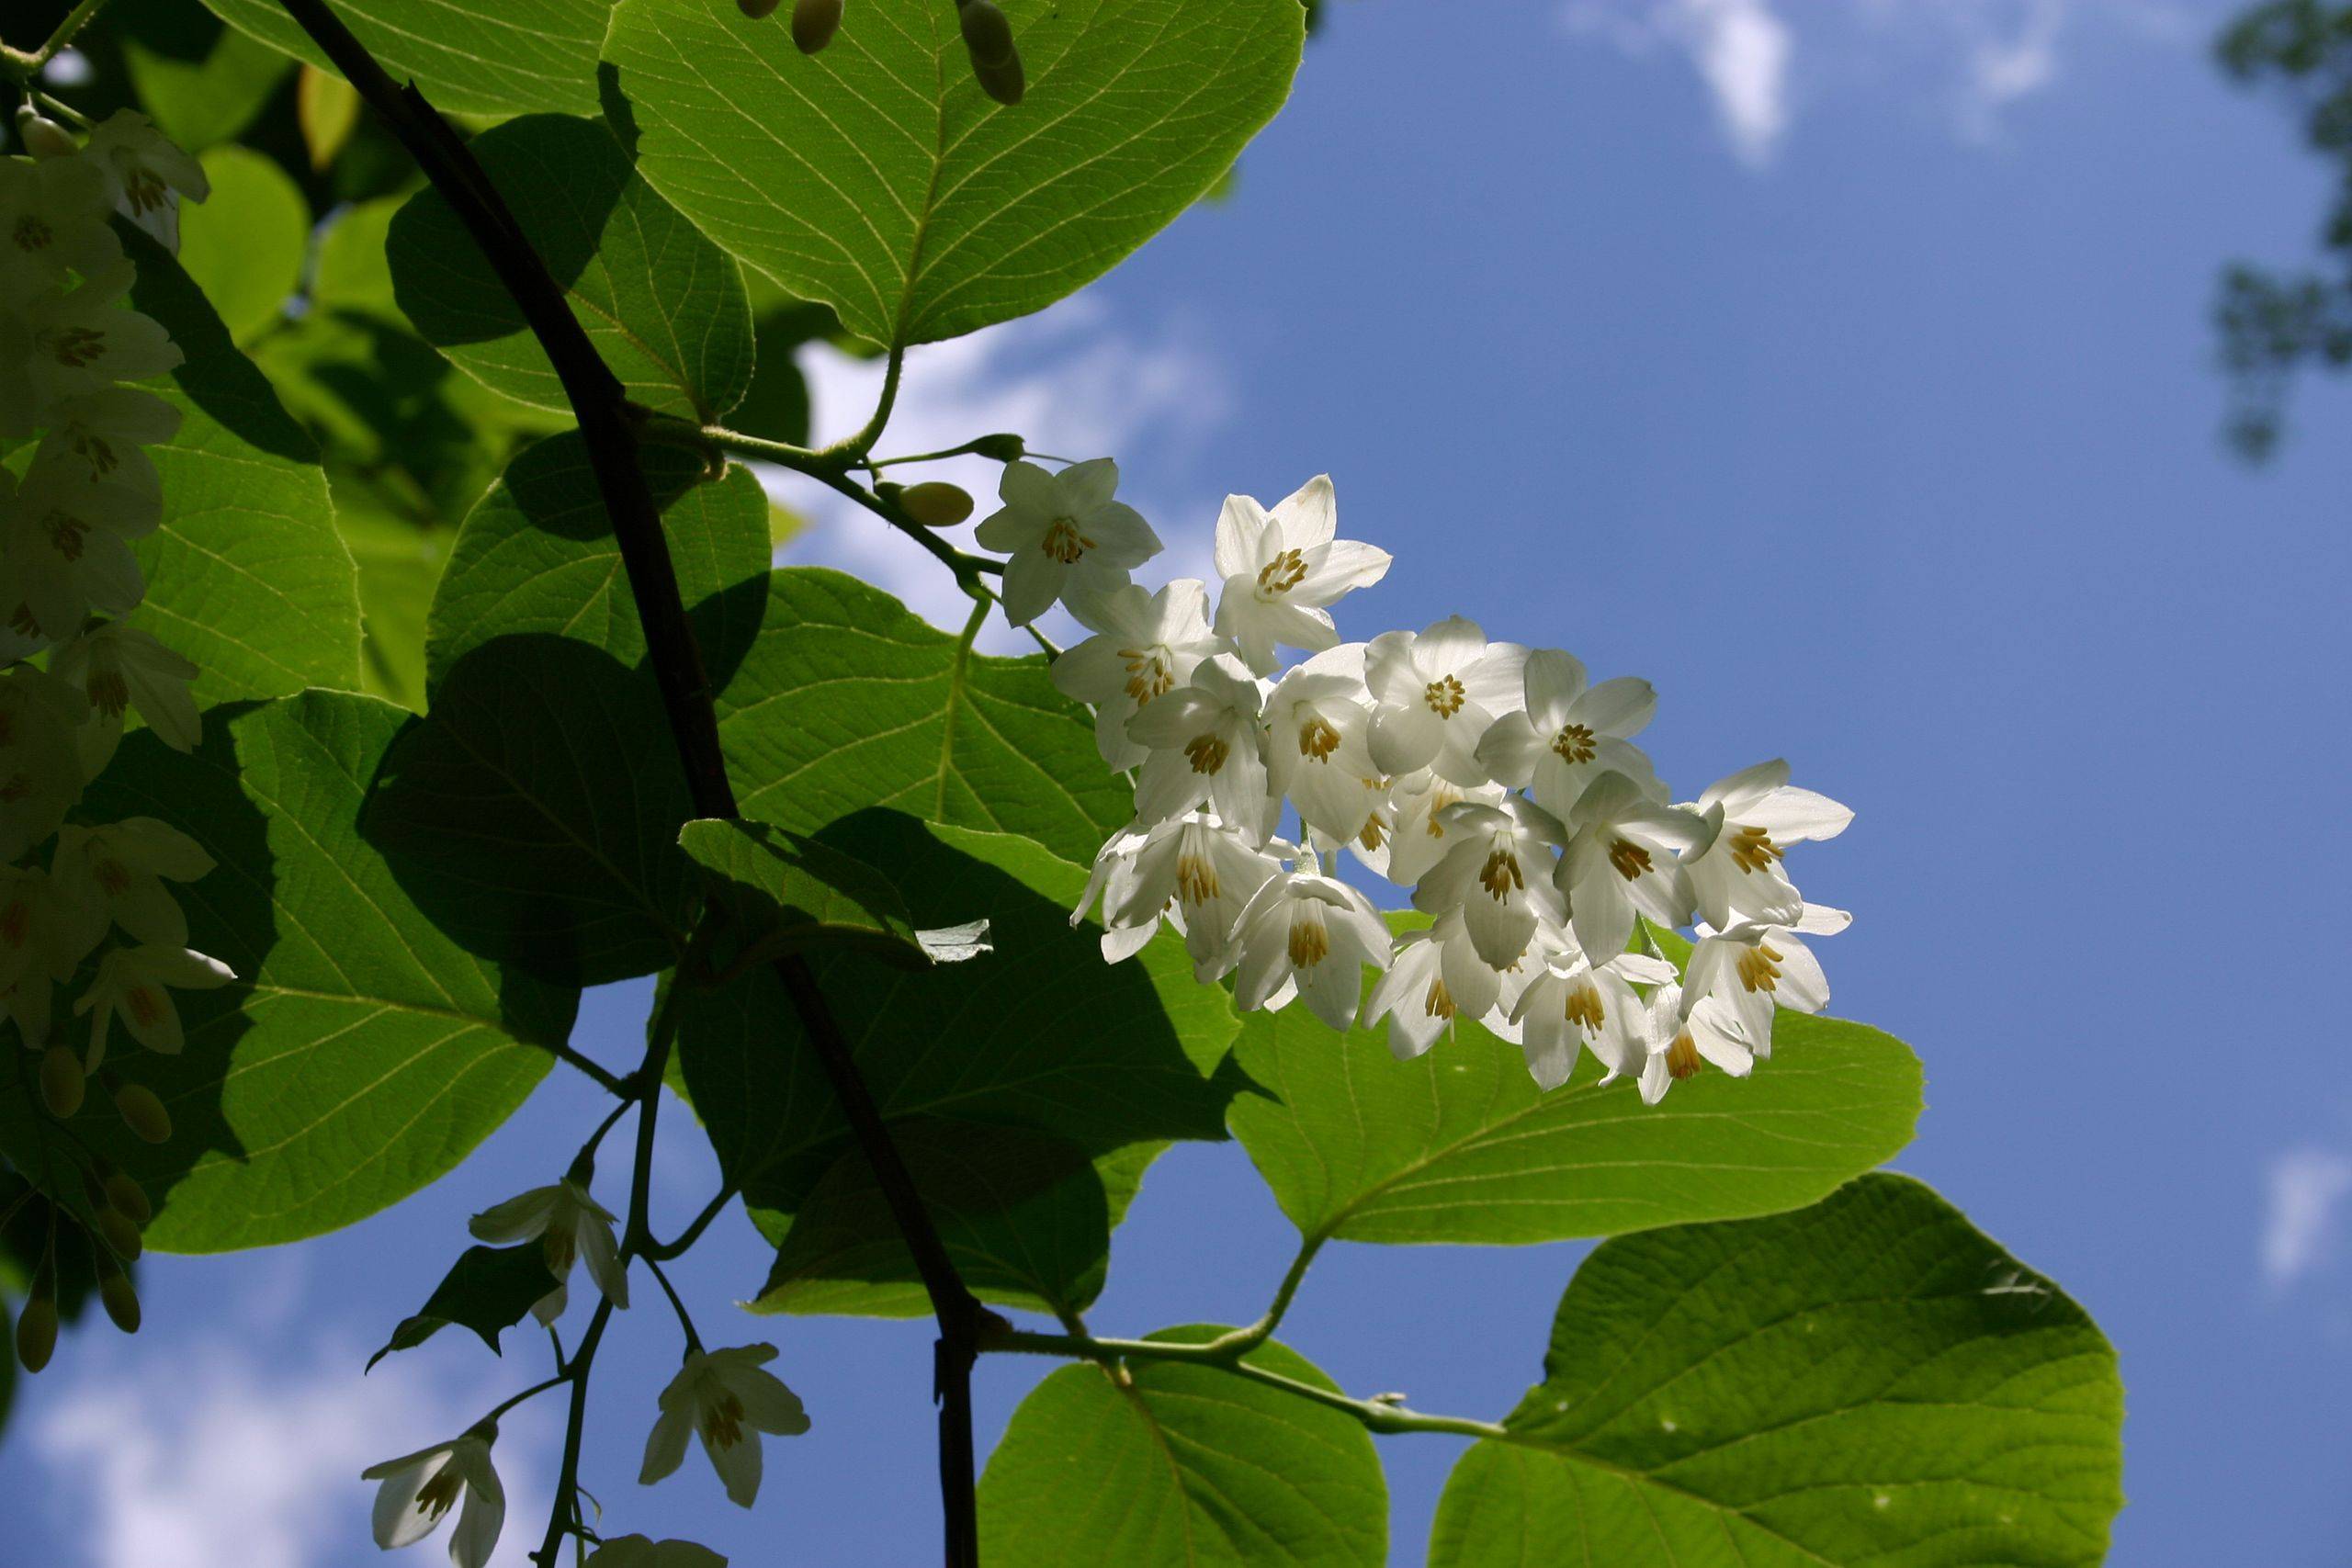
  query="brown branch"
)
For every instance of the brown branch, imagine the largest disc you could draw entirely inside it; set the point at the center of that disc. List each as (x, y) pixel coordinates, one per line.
(602, 408)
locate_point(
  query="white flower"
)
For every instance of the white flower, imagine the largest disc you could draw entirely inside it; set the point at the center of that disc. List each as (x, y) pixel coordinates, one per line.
(1435, 978)
(1621, 861)
(1681, 1037)
(52, 221)
(118, 872)
(1210, 872)
(1111, 883)
(570, 1224)
(1316, 750)
(1307, 935)
(117, 667)
(1145, 645)
(1280, 569)
(136, 983)
(1054, 525)
(1736, 876)
(1570, 732)
(1497, 872)
(1414, 836)
(40, 771)
(43, 938)
(725, 1398)
(1206, 744)
(96, 438)
(84, 342)
(1576, 1003)
(68, 551)
(418, 1489)
(1435, 696)
(1754, 968)
(145, 172)
(636, 1552)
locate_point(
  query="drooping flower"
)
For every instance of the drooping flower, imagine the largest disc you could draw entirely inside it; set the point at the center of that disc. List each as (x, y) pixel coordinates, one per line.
(1753, 969)
(1145, 646)
(120, 667)
(68, 552)
(1575, 1003)
(1569, 733)
(136, 984)
(570, 1224)
(1208, 873)
(52, 224)
(418, 1489)
(1736, 875)
(1055, 528)
(1416, 838)
(1317, 743)
(84, 341)
(44, 936)
(1680, 1038)
(725, 1398)
(1435, 978)
(1307, 935)
(1435, 696)
(119, 870)
(1621, 861)
(1497, 872)
(145, 173)
(1205, 743)
(1282, 567)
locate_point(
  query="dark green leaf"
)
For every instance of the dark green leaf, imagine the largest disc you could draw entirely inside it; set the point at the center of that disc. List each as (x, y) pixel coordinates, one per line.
(1187, 1467)
(487, 1290)
(1869, 1380)
(782, 893)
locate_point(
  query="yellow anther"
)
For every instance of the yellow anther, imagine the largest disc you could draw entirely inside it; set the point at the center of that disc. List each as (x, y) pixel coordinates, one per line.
(1501, 875)
(1148, 675)
(1752, 849)
(722, 1423)
(1759, 968)
(1206, 752)
(1683, 1057)
(1575, 743)
(1629, 859)
(1439, 1003)
(1445, 696)
(1318, 740)
(1584, 1009)
(1309, 943)
(1065, 543)
(1195, 879)
(1283, 573)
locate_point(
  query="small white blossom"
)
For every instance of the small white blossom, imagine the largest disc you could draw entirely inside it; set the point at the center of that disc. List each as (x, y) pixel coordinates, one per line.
(145, 173)
(1753, 969)
(1575, 1003)
(52, 224)
(1308, 936)
(1209, 872)
(85, 340)
(1681, 1037)
(136, 983)
(725, 1398)
(1057, 528)
(1280, 569)
(68, 551)
(1621, 862)
(120, 869)
(1436, 695)
(1317, 750)
(1436, 978)
(120, 667)
(1206, 744)
(569, 1224)
(1414, 836)
(1498, 873)
(1570, 733)
(1736, 876)
(1145, 646)
(418, 1489)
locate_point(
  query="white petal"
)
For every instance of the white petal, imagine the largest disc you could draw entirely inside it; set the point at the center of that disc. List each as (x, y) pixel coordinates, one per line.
(665, 1446)
(1309, 515)
(1553, 681)
(1621, 707)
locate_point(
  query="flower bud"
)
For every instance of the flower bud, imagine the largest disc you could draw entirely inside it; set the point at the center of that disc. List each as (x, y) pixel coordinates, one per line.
(936, 504)
(61, 1081)
(988, 39)
(758, 10)
(1004, 447)
(43, 138)
(813, 22)
(142, 1112)
(114, 1228)
(121, 1300)
(124, 1192)
(37, 1332)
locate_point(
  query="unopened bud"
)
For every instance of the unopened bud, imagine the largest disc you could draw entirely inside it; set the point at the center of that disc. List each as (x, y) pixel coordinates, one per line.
(988, 39)
(44, 138)
(936, 504)
(144, 1113)
(757, 10)
(125, 1194)
(114, 1228)
(37, 1332)
(121, 1301)
(813, 22)
(1002, 448)
(61, 1081)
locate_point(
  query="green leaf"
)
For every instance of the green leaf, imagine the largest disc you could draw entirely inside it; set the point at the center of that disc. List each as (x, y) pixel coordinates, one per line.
(510, 58)
(848, 700)
(1460, 1145)
(247, 576)
(246, 245)
(1187, 1467)
(665, 306)
(879, 178)
(361, 1053)
(200, 83)
(782, 893)
(1872, 1380)
(400, 565)
(537, 555)
(1040, 1034)
(1027, 1216)
(488, 1290)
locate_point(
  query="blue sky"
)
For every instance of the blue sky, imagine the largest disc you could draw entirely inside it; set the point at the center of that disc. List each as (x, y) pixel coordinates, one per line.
(1843, 365)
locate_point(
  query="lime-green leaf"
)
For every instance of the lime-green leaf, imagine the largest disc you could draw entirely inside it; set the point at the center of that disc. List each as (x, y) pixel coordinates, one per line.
(200, 83)
(665, 306)
(537, 555)
(488, 1290)
(1187, 1467)
(1027, 1217)
(400, 565)
(847, 700)
(878, 178)
(1869, 1380)
(509, 58)
(246, 245)
(1460, 1145)
(247, 576)
(361, 1053)
(1039, 1034)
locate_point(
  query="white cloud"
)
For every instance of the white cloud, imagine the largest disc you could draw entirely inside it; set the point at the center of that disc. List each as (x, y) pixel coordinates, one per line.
(2305, 1219)
(200, 1454)
(1973, 57)
(1069, 381)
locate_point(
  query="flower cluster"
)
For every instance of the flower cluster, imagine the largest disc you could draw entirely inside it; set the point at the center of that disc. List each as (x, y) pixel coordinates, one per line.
(88, 900)
(1499, 784)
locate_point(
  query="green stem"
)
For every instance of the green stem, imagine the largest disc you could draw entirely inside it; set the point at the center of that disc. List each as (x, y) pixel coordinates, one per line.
(25, 67)
(504, 1405)
(608, 1081)
(666, 1250)
(685, 1319)
(857, 445)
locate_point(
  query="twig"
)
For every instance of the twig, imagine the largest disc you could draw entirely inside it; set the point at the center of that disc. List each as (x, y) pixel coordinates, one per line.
(662, 1251)
(24, 66)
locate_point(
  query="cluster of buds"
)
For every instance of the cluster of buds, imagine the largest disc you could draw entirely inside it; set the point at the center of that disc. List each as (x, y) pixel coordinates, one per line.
(87, 904)
(988, 39)
(1499, 783)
